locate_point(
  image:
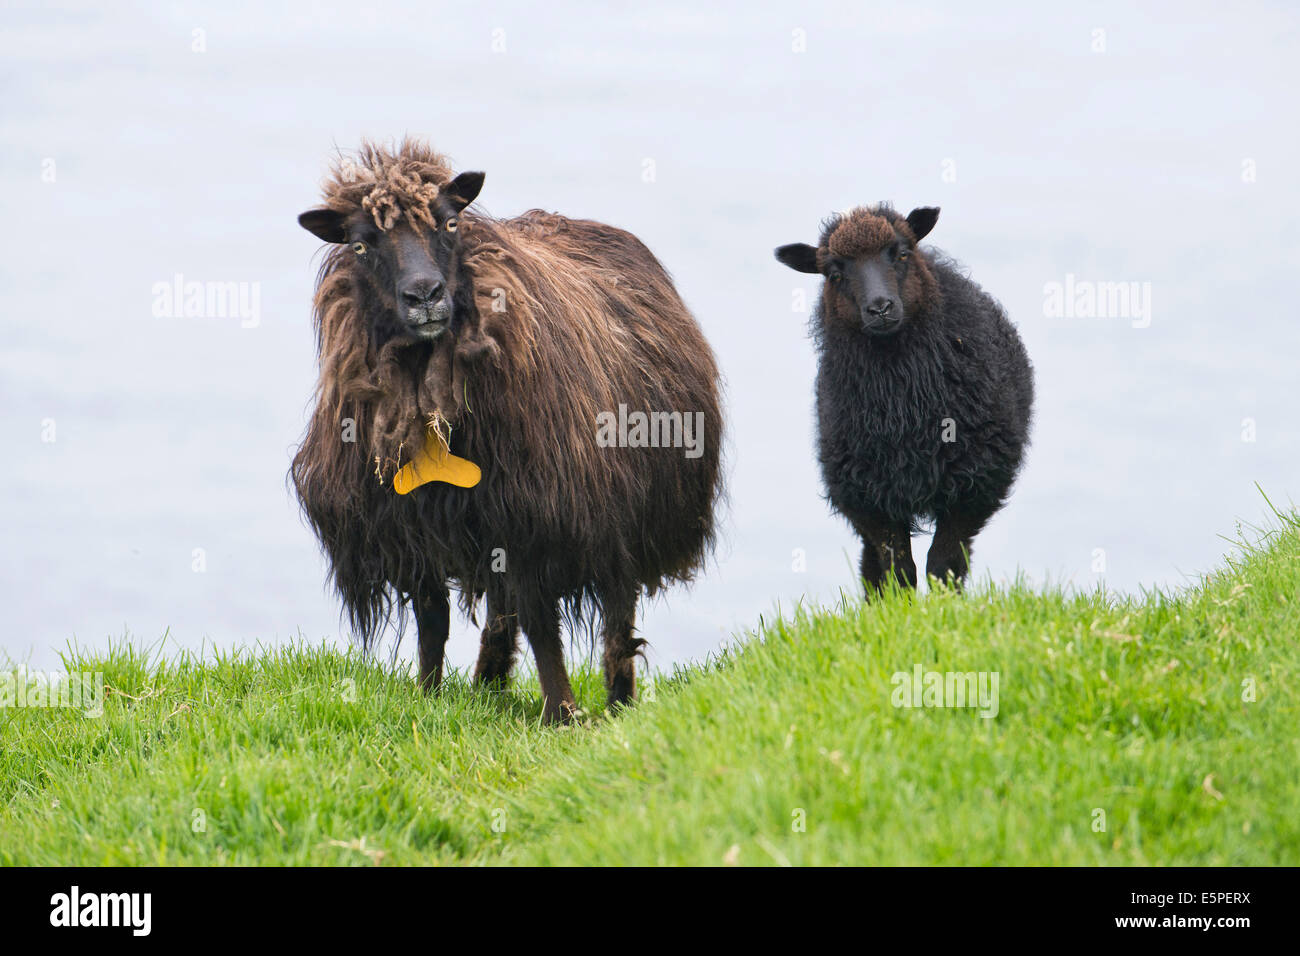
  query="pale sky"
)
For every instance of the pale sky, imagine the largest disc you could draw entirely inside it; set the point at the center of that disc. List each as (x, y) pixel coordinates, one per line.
(1093, 145)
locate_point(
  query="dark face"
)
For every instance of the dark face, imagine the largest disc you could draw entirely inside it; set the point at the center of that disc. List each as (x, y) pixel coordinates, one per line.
(867, 291)
(411, 267)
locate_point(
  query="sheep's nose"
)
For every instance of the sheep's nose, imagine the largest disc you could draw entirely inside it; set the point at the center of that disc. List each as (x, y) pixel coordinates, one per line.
(881, 306)
(421, 290)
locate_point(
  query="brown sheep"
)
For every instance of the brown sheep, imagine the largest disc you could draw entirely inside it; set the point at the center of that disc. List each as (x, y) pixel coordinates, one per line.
(518, 340)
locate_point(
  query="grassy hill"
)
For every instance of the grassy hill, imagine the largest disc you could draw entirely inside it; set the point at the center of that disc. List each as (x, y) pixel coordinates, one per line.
(1173, 721)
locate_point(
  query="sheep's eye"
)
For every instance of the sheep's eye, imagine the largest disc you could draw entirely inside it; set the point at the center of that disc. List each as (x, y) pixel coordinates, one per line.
(903, 255)
(835, 276)
(359, 248)
(451, 224)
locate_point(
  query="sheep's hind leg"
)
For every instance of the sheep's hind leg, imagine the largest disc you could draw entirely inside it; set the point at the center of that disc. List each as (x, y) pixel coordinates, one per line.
(949, 557)
(541, 624)
(621, 648)
(500, 641)
(433, 622)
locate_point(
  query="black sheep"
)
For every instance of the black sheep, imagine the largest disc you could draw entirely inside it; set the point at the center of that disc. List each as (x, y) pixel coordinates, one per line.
(924, 391)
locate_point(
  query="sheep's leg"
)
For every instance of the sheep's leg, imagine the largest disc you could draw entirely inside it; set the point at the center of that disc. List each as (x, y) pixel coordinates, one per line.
(496, 653)
(886, 547)
(949, 557)
(433, 621)
(873, 573)
(896, 553)
(541, 623)
(621, 648)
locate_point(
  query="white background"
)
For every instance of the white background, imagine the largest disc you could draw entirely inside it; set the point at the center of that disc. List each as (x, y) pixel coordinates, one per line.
(174, 434)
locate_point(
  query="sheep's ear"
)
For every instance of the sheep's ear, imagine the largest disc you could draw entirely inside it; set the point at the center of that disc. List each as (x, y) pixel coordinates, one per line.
(922, 220)
(324, 224)
(799, 256)
(464, 189)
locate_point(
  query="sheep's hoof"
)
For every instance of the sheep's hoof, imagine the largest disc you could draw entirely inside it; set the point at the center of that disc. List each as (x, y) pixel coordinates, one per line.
(947, 580)
(561, 716)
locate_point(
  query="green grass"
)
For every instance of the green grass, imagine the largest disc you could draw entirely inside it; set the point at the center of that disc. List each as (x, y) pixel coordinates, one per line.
(1129, 707)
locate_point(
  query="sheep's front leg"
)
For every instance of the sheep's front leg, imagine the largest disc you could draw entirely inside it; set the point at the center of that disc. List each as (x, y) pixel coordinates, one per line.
(886, 547)
(873, 573)
(541, 623)
(949, 557)
(496, 654)
(433, 621)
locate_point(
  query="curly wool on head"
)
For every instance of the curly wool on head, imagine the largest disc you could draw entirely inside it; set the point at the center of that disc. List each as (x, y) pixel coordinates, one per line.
(863, 231)
(387, 183)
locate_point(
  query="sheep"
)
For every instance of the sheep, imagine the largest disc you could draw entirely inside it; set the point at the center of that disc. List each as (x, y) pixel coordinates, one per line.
(924, 392)
(503, 345)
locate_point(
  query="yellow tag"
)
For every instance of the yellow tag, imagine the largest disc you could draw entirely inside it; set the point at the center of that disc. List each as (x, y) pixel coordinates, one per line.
(435, 462)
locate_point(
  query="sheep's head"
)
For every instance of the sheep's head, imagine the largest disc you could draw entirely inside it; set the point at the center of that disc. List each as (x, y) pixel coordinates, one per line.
(875, 279)
(396, 216)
